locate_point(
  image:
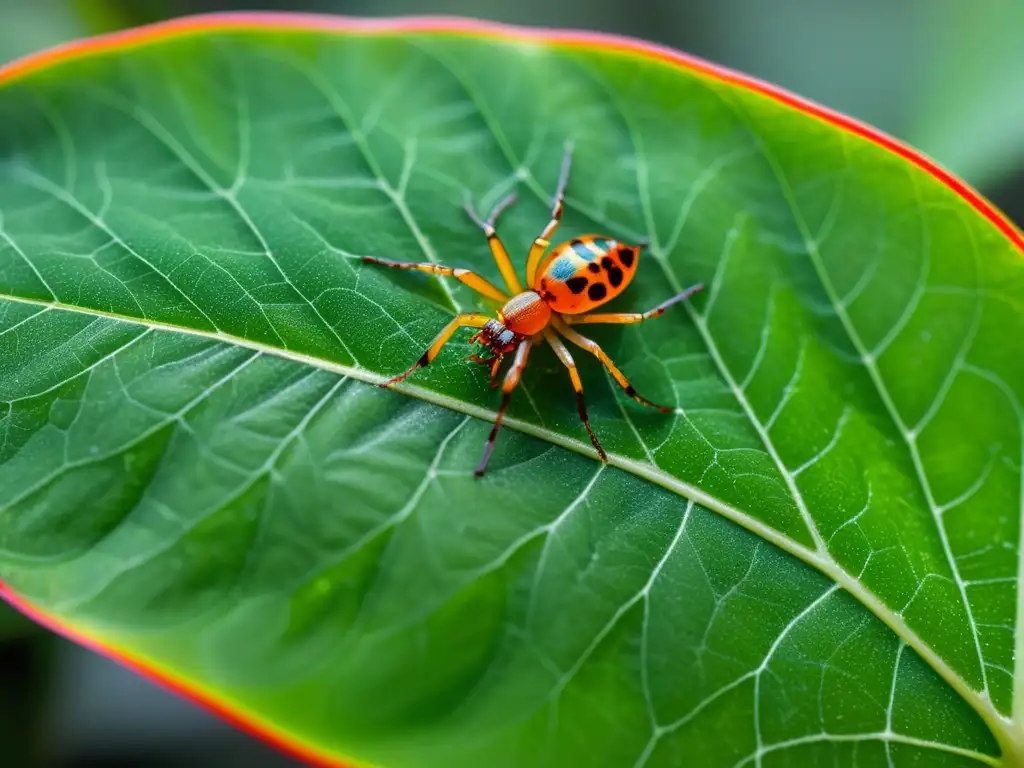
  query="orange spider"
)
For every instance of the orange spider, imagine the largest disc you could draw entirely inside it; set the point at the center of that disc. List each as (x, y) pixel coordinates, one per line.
(574, 278)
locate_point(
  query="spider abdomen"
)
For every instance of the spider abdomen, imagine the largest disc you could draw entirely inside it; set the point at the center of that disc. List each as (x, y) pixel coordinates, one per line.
(586, 272)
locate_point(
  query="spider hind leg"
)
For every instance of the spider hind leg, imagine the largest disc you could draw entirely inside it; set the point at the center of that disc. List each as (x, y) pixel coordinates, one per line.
(543, 240)
(593, 348)
(565, 357)
(498, 250)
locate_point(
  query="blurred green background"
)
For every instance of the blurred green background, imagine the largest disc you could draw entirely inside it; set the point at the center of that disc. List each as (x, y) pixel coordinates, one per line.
(943, 75)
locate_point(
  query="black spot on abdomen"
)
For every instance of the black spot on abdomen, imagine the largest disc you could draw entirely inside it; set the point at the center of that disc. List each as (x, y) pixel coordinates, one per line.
(615, 277)
(626, 255)
(593, 267)
(577, 284)
(597, 291)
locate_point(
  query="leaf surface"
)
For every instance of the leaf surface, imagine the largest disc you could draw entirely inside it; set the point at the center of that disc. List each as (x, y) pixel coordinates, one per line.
(813, 560)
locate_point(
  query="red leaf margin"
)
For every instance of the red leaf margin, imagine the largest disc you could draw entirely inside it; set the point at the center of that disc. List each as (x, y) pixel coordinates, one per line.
(233, 713)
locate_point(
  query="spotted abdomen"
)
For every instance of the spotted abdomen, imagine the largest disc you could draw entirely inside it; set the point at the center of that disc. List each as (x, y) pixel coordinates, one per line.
(586, 272)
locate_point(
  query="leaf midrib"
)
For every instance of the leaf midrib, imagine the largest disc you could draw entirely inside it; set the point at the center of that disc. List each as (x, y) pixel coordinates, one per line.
(651, 473)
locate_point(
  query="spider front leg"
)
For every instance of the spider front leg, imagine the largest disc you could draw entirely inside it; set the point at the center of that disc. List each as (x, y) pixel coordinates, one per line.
(472, 279)
(592, 346)
(543, 240)
(624, 318)
(469, 320)
(510, 383)
(501, 257)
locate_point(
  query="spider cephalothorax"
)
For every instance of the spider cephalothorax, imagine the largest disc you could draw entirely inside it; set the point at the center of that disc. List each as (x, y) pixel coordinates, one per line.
(562, 287)
(497, 338)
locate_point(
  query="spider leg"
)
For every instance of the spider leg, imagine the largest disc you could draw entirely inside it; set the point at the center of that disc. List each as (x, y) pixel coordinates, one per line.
(504, 261)
(473, 280)
(470, 320)
(493, 362)
(633, 317)
(495, 365)
(593, 347)
(510, 383)
(543, 240)
(577, 385)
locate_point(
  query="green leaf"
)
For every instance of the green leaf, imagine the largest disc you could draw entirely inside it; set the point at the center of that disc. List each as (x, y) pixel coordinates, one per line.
(812, 561)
